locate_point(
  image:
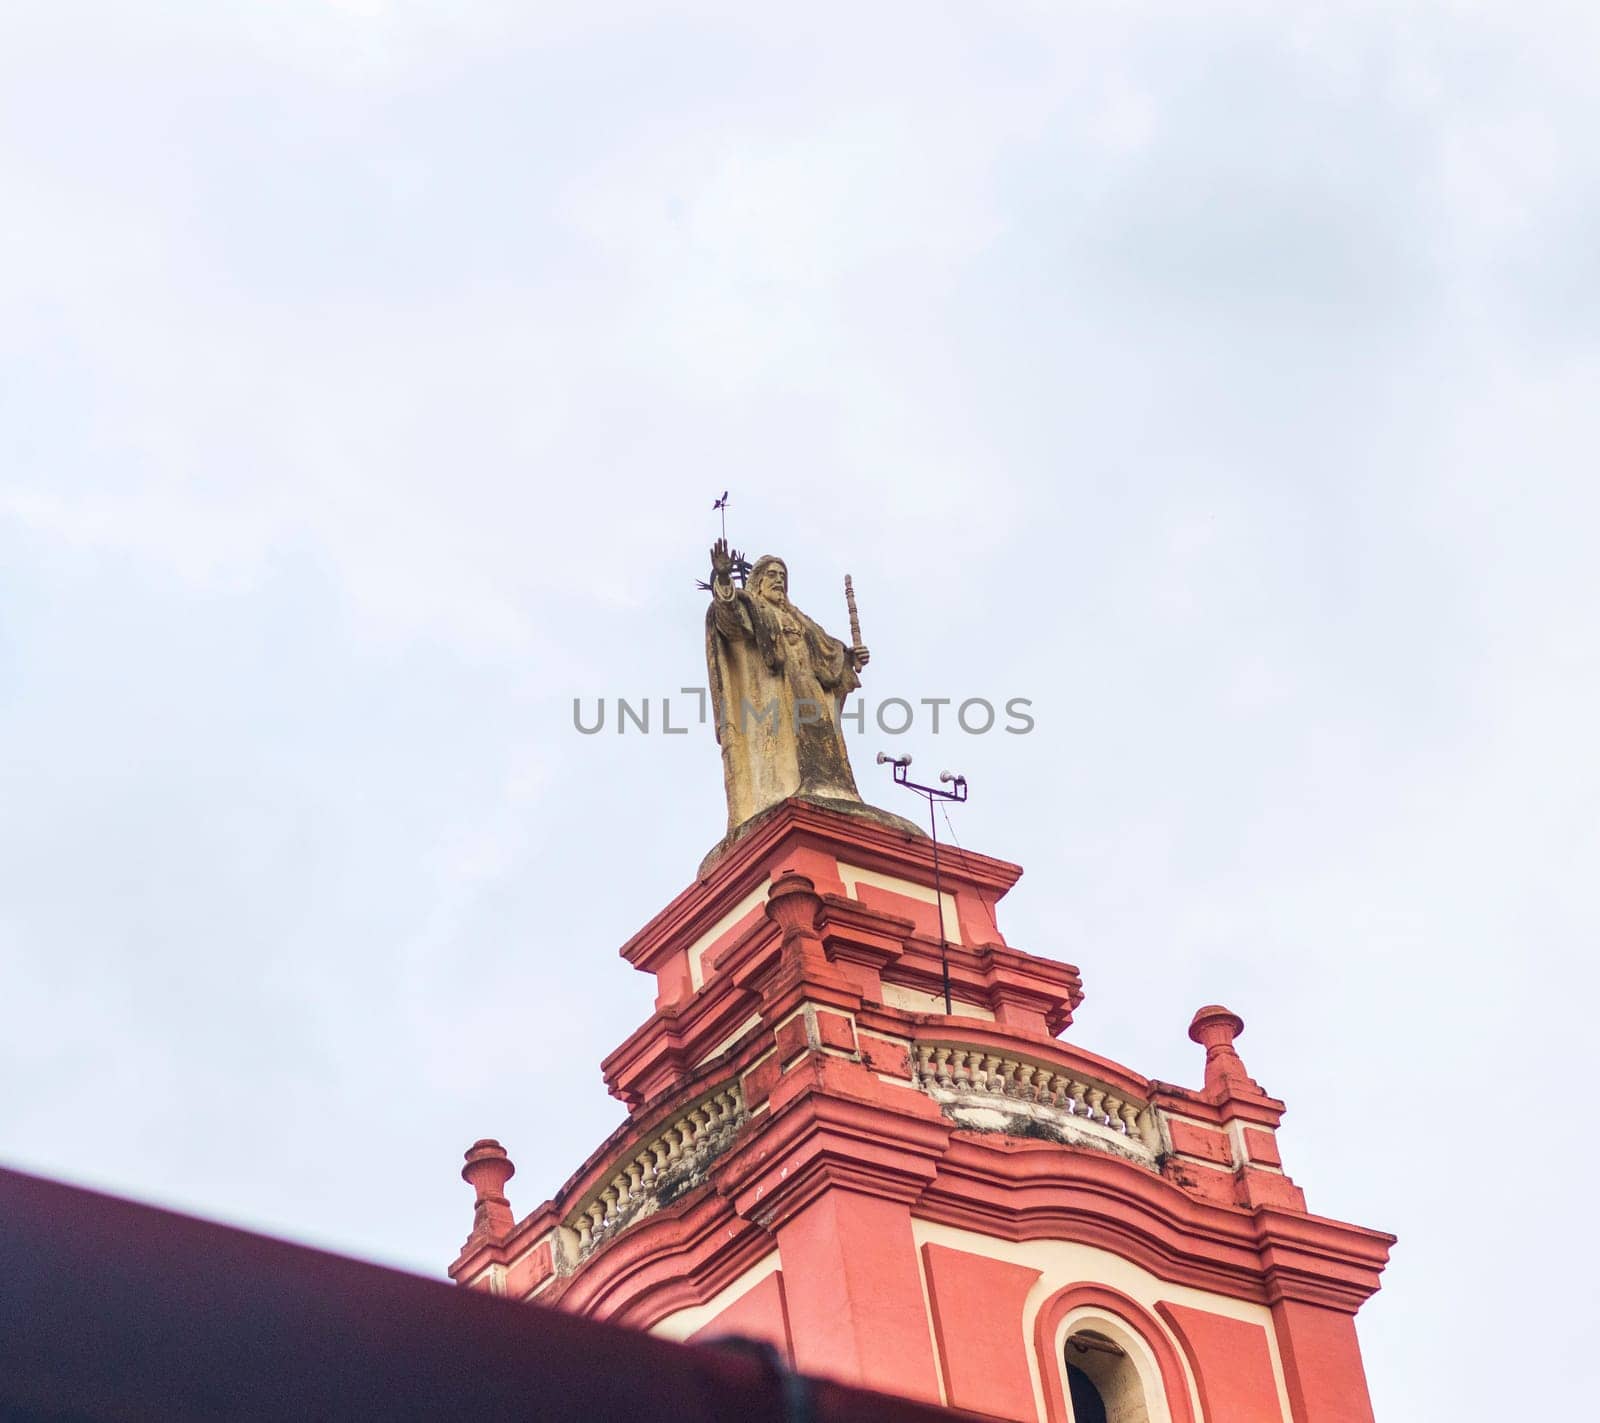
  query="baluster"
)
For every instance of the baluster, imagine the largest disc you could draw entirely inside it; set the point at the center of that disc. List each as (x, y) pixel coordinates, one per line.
(1076, 1088)
(991, 1063)
(1130, 1119)
(1096, 1097)
(924, 1063)
(585, 1232)
(943, 1067)
(1025, 1073)
(966, 1068)
(977, 1073)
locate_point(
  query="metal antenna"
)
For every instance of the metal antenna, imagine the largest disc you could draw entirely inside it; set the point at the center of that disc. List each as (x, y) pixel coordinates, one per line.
(740, 571)
(932, 794)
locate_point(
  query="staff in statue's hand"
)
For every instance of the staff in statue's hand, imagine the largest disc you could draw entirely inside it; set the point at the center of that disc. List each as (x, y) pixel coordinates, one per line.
(859, 656)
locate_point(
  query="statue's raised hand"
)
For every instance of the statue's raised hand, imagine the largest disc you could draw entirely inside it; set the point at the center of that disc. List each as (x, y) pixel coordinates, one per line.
(723, 560)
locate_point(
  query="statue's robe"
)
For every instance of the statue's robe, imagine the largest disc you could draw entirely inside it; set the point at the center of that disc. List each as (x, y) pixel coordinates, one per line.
(778, 684)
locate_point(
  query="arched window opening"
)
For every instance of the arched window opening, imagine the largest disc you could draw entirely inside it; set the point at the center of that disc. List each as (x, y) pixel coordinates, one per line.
(1102, 1381)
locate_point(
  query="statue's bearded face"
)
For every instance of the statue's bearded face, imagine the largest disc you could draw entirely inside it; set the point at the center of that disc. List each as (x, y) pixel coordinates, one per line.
(773, 585)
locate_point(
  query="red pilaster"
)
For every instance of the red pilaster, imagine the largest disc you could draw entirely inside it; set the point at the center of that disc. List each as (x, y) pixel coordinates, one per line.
(1321, 1363)
(761, 1312)
(855, 1297)
(977, 1304)
(1231, 1362)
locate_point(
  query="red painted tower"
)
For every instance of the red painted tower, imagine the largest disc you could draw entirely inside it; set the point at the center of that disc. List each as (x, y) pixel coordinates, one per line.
(961, 1208)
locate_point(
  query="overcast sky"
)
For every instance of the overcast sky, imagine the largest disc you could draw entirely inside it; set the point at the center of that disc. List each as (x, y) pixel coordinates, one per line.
(1223, 379)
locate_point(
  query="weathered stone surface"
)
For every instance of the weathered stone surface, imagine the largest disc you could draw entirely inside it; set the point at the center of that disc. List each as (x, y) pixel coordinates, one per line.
(778, 684)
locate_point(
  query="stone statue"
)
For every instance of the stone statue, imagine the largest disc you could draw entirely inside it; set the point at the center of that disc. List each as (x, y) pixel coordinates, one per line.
(778, 683)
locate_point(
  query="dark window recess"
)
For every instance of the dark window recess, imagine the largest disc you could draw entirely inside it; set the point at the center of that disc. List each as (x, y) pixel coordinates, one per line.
(1087, 1405)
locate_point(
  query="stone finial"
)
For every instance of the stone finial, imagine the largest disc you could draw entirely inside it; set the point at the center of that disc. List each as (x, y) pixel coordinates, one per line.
(792, 904)
(487, 1170)
(1215, 1028)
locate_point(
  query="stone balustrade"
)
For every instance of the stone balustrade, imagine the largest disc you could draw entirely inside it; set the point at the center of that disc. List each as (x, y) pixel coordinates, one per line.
(661, 1168)
(981, 1088)
(1037, 1090)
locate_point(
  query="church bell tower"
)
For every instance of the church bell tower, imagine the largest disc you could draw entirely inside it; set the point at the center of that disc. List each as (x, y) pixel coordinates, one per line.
(963, 1207)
